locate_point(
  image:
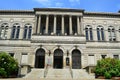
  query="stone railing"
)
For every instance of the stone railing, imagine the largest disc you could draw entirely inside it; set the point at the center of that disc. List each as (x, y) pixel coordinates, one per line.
(71, 72)
(45, 71)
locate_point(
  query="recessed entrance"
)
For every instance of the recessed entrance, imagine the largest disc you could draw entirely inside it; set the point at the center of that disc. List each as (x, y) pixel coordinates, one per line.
(58, 59)
(40, 58)
(76, 59)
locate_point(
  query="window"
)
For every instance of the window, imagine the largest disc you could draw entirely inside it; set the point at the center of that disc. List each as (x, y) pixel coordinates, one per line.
(100, 33)
(103, 56)
(116, 56)
(88, 32)
(3, 31)
(24, 59)
(15, 31)
(111, 32)
(27, 31)
(91, 60)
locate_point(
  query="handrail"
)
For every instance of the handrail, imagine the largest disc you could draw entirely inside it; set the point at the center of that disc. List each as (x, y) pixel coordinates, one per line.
(45, 71)
(71, 72)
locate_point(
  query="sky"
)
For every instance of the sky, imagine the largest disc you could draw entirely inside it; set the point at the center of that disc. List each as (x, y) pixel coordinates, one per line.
(87, 5)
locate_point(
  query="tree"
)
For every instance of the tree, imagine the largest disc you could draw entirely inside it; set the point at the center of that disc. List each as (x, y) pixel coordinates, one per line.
(8, 65)
(108, 68)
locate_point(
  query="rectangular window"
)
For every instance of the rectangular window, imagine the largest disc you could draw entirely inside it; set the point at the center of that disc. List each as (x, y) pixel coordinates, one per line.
(116, 56)
(24, 59)
(91, 60)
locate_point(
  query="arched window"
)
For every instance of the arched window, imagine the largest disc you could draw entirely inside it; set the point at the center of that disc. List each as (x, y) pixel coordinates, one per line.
(15, 31)
(111, 31)
(88, 31)
(100, 33)
(27, 31)
(3, 31)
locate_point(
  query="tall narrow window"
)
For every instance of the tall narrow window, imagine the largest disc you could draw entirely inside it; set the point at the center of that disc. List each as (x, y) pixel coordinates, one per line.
(88, 32)
(27, 31)
(100, 33)
(30, 32)
(3, 31)
(111, 32)
(15, 31)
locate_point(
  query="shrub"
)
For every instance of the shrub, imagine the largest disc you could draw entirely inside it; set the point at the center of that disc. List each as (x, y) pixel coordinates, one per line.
(8, 65)
(108, 67)
(107, 75)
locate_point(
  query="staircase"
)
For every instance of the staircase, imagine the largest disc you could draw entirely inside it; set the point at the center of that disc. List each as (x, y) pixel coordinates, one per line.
(35, 73)
(81, 74)
(58, 73)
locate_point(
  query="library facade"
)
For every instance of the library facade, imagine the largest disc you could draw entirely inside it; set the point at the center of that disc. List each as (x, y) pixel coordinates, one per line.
(58, 38)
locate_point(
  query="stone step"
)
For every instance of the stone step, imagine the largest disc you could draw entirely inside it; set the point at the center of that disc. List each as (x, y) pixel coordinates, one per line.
(81, 73)
(61, 73)
(37, 73)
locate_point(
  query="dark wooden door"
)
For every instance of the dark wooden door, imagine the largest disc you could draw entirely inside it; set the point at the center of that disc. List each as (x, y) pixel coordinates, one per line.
(76, 59)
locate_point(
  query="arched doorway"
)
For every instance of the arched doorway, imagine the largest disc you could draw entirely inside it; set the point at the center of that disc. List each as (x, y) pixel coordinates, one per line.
(76, 59)
(58, 59)
(40, 58)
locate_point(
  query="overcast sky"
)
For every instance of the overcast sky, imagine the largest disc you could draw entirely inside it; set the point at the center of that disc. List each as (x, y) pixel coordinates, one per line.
(88, 5)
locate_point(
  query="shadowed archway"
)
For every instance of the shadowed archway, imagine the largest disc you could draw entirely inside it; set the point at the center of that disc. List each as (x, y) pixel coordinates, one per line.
(40, 58)
(58, 59)
(76, 59)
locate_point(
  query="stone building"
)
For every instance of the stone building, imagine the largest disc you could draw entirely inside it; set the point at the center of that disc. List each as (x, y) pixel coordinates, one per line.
(59, 38)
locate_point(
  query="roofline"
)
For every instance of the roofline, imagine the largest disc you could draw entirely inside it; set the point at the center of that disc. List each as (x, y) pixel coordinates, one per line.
(17, 11)
(102, 13)
(59, 9)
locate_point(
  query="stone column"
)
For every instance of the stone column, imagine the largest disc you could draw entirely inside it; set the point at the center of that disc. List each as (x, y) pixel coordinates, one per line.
(78, 25)
(62, 24)
(54, 24)
(70, 24)
(47, 23)
(39, 25)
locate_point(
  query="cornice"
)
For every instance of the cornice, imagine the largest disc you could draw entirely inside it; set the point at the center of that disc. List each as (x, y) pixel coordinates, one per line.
(59, 9)
(102, 14)
(8, 12)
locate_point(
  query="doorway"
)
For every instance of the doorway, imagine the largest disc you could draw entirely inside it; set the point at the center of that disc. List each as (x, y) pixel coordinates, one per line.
(58, 59)
(40, 58)
(76, 59)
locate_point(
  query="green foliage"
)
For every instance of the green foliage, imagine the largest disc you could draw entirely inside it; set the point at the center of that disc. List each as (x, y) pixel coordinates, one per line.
(108, 67)
(107, 75)
(8, 65)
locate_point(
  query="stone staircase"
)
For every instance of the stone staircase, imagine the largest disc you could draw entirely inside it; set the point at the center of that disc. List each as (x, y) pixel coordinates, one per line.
(58, 73)
(35, 73)
(81, 74)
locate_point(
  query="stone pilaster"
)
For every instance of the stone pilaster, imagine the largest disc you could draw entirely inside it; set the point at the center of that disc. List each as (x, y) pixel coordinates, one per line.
(81, 26)
(35, 28)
